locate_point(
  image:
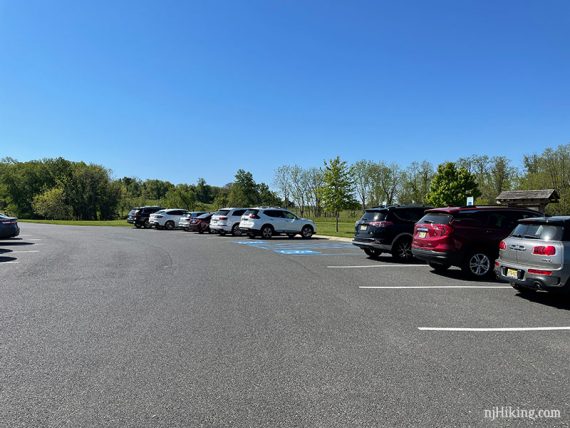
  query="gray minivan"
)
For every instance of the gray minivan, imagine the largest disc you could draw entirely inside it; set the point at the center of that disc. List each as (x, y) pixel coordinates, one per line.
(536, 255)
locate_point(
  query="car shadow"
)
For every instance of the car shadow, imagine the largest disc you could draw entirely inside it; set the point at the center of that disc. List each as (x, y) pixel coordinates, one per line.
(555, 300)
(5, 250)
(4, 259)
(15, 243)
(458, 274)
(392, 260)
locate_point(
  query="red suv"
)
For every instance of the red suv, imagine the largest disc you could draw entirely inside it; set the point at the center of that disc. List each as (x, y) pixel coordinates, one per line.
(467, 237)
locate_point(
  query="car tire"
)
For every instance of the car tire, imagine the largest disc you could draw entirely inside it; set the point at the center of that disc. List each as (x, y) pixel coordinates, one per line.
(236, 230)
(307, 232)
(169, 225)
(372, 252)
(439, 267)
(267, 232)
(146, 224)
(402, 250)
(478, 265)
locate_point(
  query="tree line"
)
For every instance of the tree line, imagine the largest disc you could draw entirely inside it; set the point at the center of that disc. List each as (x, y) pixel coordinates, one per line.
(62, 189)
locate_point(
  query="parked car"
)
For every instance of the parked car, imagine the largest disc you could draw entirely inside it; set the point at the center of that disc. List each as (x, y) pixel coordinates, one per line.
(167, 219)
(388, 229)
(536, 255)
(186, 219)
(8, 227)
(139, 216)
(201, 223)
(226, 220)
(467, 237)
(267, 222)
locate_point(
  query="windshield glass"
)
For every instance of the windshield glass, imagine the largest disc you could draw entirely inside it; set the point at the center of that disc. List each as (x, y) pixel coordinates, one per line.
(436, 218)
(544, 232)
(374, 216)
(222, 212)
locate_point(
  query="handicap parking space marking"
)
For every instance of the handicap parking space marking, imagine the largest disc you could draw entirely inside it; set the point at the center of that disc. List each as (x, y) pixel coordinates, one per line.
(300, 248)
(426, 287)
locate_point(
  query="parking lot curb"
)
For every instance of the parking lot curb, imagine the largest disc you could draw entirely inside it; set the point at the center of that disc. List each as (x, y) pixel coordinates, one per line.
(333, 238)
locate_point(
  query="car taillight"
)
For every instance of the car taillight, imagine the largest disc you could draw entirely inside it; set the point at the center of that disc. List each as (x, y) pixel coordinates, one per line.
(8, 222)
(540, 272)
(223, 217)
(381, 223)
(254, 216)
(502, 245)
(544, 250)
(158, 216)
(442, 229)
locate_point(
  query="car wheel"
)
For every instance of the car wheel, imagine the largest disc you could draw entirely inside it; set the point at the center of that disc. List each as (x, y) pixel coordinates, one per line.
(266, 232)
(438, 267)
(478, 265)
(307, 232)
(372, 252)
(138, 226)
(147, 225)
(169, 225)
(291, 235)
(402, 250)
(236, 230)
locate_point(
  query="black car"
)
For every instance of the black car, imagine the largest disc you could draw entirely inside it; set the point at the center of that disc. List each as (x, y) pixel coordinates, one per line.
(388, 229)
(139, 216)
(8, 227)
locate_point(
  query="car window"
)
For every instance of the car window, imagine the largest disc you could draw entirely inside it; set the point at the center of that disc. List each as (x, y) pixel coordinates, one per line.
(204, 216)
(254, 212)
(436, 218)
(471, 218)
(222, 212)
(544, 232)
(289, 215)
(370, 215)
(239, 212)
(274, 213)
(408, 215)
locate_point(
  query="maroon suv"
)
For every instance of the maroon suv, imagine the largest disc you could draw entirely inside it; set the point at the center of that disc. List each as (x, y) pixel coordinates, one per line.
(467, 237)
(201, 223)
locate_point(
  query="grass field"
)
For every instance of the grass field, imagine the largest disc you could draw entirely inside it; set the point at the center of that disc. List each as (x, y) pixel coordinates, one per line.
(327, 227)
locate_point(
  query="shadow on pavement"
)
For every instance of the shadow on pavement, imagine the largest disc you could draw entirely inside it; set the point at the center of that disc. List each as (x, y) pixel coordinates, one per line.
(555, 300)
(4, 259)
(15, 243)
(389, 259)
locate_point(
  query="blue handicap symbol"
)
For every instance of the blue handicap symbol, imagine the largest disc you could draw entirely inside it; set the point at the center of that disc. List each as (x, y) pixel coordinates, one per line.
(298, 252)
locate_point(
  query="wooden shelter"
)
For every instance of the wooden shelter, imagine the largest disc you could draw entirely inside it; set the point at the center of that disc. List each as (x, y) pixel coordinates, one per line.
(533, 199)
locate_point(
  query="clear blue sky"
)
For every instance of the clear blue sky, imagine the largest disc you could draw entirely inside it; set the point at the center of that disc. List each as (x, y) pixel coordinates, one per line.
(184, 89)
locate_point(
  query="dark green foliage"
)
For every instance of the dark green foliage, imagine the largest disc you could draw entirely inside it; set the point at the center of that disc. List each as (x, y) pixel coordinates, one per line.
(451, 186)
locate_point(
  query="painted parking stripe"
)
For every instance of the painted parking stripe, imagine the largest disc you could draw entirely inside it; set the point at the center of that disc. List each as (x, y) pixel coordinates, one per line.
(24, 251)
(8, 263)
(398, 287)
(493, 329)
(374, 266)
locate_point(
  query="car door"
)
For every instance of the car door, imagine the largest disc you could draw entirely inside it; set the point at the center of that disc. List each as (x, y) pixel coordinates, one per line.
(291, 222)
(275, 218)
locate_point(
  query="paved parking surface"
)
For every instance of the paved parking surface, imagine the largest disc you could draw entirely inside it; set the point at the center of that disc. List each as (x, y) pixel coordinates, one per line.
(126, 327)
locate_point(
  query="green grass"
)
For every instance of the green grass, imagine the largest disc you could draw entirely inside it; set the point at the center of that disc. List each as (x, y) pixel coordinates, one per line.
(115, 223)
(345, 229)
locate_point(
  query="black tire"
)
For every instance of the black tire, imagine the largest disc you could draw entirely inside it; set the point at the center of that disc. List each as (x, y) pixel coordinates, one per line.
(267, 231)
(236, 230)
(146, 224)
(438, 267)
(169, 225)
(290, 235)
(372, 252)
(138, 226)
(402, 250)
(478, 265)
(307, 232)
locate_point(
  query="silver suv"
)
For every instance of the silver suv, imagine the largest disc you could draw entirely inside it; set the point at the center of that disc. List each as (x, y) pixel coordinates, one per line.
(536, 255)
(268, 221)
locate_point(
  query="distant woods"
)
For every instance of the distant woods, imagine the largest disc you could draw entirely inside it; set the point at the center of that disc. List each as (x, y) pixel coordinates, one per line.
(62, 189)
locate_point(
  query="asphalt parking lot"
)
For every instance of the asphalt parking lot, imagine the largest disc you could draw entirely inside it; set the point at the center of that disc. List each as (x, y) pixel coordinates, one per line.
(126, 327)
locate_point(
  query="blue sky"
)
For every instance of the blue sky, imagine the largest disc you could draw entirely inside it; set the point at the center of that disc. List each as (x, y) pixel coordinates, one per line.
(184, 89)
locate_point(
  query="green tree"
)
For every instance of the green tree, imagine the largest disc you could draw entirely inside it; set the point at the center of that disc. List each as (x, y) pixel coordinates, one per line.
(336, 192)
(244, 191)
(451, 186)
(181, 196)
(52, 205)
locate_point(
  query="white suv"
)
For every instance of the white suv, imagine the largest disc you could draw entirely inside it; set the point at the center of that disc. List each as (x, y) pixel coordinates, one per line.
(226, 220)
(166, 219)
(271, 221)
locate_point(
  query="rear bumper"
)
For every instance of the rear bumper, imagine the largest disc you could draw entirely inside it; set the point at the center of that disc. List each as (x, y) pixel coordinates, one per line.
(446, 258)
(371, 244)
(250, 230)
(557, 281)
(220, 228)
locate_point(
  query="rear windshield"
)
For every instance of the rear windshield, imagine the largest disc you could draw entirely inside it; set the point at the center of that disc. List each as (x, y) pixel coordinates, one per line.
(436, 218)
(248, 212)
(222, 212)
(131, 212)
(544, 232)
(204, 215)
(374, 216)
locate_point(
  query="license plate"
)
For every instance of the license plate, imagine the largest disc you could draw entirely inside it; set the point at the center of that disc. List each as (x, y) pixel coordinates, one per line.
(363, 227)
(422, 234)
(512, 273)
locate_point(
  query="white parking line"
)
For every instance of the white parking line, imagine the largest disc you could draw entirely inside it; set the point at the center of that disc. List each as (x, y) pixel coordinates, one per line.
(493, 329)
(6, 263)
(24, 251)
(374, 266)
(436, 286)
